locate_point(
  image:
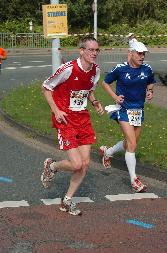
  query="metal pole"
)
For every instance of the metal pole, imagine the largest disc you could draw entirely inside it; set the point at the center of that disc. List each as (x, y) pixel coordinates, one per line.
(95, 19)
(56, 56)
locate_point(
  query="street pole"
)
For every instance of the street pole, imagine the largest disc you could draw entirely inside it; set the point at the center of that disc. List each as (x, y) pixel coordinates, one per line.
(95, 19)
(56, 56)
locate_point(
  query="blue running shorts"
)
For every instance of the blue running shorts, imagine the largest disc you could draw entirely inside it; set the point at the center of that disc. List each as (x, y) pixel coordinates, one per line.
(122, 115)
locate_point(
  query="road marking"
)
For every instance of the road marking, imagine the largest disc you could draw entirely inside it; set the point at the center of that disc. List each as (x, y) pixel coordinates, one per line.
(131, 196)
(57, 201)
(82, 199)
(10, 68)
(140, 223)
(6, 180)
(36, 61)
(27, 67)
(4, 204)
(43, 66)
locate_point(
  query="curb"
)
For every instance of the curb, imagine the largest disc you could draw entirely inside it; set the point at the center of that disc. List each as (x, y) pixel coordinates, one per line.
(117, 162)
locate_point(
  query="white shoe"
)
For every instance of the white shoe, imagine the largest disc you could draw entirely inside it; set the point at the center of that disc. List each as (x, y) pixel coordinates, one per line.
(106, 160)
(137, 185)
(47, 174)
(69, 207)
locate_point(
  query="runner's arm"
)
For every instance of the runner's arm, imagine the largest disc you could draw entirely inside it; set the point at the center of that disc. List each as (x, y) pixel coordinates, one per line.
(60, 115)
(118, 99)
(149, 92)
(96, 103)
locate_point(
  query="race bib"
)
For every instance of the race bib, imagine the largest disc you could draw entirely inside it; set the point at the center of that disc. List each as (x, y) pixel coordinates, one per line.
(78, 100)
(134, 116)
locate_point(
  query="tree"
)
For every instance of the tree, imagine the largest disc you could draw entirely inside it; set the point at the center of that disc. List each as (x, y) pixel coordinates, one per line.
(80, 14)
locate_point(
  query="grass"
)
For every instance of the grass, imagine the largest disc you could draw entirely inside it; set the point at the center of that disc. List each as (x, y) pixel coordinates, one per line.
(27, 106)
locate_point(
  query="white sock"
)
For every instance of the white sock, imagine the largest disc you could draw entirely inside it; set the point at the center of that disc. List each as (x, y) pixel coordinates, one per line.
(53, 166)
(116, 148)
(131, 164)
(66, 198)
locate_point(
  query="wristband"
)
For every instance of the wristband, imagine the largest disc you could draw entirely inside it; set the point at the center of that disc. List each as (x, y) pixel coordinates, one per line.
(94, 101)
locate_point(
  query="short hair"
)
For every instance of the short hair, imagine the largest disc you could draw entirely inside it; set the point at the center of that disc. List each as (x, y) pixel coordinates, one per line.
(82, 42)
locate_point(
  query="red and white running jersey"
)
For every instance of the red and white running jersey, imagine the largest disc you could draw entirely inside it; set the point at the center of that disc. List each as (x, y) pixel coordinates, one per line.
(71, 85)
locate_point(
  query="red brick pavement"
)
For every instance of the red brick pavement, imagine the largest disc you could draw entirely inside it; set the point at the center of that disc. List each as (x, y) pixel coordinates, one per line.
(102, 228)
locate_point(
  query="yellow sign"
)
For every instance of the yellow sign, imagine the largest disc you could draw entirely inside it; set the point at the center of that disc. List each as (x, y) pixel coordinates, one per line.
(55, 20)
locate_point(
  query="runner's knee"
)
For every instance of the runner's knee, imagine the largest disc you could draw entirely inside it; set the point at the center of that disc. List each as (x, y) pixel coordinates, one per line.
(77, 165)
(85, 164)
(131, 146)
(80, 164)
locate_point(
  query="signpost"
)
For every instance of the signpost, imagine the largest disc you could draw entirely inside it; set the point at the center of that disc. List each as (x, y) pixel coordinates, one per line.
(55, 27)
(55, 20)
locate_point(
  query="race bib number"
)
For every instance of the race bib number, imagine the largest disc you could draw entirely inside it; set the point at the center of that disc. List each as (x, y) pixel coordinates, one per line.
(134, 116)
(78, 100)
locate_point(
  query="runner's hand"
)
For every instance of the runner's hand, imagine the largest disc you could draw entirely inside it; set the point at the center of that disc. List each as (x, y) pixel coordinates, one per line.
(119, 99)
(61, 117)
(149, 95)
(98, 107)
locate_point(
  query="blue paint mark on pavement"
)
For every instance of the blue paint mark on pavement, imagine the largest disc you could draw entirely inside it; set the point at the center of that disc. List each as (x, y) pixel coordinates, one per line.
(140, 223)
(6, 180)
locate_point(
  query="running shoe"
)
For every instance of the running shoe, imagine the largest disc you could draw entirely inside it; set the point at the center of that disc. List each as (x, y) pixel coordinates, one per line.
(137, 185)
(69, 207)
(47, 174)
(106, 160)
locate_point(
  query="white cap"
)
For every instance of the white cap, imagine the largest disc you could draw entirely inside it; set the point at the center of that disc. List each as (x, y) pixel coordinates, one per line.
(138, 46)
(130, 34)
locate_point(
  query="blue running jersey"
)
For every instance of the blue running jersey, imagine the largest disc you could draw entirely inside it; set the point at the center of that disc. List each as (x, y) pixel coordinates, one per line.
(132, 83)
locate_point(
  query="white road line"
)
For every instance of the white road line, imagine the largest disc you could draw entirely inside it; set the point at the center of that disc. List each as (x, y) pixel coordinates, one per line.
(27, 67)
(131, 196)
(43, 66)
(82, 199)
(36, 61)
(10, 68)
(57, 201)
(38, 66)
(13, 203)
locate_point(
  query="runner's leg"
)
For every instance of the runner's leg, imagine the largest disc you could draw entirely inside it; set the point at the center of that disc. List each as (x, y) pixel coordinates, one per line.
(130, 134)
(84, 153)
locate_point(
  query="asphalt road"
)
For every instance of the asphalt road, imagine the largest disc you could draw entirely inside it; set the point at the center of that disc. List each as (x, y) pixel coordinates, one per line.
(23, 68)
(21, 162)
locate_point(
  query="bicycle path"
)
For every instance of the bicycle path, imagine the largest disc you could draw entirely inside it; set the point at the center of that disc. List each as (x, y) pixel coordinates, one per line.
(125, 226)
